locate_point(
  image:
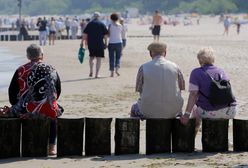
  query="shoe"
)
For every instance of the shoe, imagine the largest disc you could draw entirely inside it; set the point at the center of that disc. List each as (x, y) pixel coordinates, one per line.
(91, 74)
(117, 73)
(97, 76)
(112, 74)
(51, 150)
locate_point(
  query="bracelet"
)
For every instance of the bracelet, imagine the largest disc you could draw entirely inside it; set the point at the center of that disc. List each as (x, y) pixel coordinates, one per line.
(187, 113)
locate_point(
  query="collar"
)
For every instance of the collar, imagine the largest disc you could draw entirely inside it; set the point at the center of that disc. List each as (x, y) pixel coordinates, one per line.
(157, 57)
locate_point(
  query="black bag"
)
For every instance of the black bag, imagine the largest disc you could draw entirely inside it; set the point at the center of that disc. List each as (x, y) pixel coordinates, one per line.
(220, 91)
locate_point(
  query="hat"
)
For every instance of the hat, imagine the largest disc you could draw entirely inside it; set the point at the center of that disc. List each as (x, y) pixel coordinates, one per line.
(96, 15)
(157, 47)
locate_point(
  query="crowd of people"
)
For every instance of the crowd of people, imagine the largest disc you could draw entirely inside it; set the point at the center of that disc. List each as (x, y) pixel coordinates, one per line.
(35, 86)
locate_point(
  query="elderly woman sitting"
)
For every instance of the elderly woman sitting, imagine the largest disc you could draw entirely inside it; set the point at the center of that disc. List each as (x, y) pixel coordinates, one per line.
(198, 105)
(34, 90)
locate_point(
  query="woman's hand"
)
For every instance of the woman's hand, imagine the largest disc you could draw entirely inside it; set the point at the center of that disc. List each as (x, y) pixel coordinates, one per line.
(185, 118)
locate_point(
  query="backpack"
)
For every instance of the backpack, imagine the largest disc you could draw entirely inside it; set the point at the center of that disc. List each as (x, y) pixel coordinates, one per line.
(220, 91)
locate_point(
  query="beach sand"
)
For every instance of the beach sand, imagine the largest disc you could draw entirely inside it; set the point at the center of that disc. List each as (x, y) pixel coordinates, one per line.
(112, 97)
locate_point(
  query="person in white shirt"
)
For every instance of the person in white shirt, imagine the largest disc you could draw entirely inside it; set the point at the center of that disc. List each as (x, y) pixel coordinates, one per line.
(115, 44)
(52, 31)
(124, 33)
(74, 29)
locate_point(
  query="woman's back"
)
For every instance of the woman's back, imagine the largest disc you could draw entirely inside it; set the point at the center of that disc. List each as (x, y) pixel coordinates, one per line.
(115, 32)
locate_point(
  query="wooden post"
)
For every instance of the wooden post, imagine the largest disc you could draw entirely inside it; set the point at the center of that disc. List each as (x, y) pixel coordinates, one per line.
(6, 37)
(12, 38)
(215, 135)
(127, 133)
(70, 137)
(240, 135)
(10, 130)
(183, 136)
(35, 134)
(158, 136)
(97, 136)
(2, 37)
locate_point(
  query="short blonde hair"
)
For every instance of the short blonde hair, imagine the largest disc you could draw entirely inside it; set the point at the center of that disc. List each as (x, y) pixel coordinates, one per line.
(206, 55)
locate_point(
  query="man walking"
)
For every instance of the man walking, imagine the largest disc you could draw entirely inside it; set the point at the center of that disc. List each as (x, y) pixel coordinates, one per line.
(42, 24)
(156, 25)
(95, 35)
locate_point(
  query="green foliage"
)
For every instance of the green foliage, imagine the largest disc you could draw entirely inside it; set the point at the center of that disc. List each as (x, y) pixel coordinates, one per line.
(207, 6)
(41, 7)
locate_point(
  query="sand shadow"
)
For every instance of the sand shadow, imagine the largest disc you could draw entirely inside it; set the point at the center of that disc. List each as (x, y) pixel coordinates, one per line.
(241, 166)
(177, 156)
(84, 79)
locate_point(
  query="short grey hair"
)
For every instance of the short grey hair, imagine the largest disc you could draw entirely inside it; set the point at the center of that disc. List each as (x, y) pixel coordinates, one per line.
(96, 15)
(206, 55)
(34, 52)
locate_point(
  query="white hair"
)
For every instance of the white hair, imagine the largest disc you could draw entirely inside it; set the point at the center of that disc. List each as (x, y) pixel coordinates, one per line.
(206, 55)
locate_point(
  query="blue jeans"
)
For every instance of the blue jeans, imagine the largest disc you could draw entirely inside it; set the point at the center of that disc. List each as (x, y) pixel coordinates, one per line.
(114, 55)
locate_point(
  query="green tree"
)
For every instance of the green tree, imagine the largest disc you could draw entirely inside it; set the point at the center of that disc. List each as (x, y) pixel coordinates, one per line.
(41, 7)
(207, 6)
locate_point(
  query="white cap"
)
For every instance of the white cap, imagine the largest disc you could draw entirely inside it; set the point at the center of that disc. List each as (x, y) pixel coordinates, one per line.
(96, 15)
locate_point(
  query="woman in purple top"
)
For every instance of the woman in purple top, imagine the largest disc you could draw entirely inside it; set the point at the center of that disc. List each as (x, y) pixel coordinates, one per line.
(199, 85)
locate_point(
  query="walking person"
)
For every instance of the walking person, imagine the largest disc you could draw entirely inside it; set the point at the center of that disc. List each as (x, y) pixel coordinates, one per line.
(23, 33)
(227, 24)
(52, 31)
(95, 36)
(74, 29)
(156, 25)
(115, 44)
(123, 33)
(238, 27)
(83, 24)
(67, 27)
(42, 24)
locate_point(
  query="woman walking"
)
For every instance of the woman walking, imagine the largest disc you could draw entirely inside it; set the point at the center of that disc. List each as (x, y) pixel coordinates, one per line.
(52, 31)
(115, 44)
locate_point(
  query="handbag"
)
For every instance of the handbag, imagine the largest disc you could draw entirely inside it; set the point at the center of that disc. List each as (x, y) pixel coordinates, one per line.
(81, 54)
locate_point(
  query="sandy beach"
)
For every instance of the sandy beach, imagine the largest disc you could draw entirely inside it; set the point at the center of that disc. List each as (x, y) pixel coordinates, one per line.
(112, 97)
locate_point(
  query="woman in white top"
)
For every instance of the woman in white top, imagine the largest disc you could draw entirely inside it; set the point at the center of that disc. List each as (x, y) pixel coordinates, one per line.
(52, 31)
(115, 44)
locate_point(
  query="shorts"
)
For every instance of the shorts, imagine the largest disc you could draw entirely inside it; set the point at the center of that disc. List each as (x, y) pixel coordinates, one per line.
(96, 52)
(156, 30)
(224, 113)
(52, 32)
